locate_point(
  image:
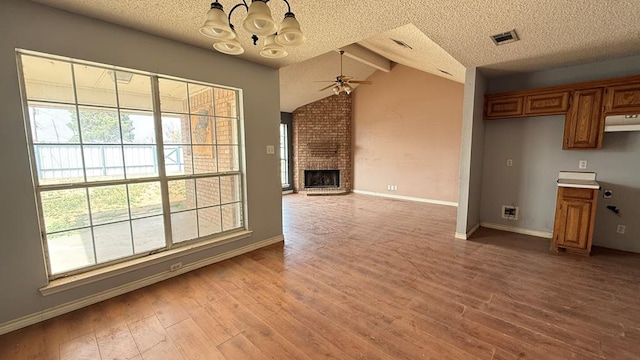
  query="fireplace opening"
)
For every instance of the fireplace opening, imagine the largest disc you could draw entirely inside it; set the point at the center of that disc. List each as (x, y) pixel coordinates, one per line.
(321, 178)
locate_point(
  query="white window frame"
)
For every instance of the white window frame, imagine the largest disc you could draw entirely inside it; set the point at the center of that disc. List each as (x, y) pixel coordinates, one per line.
(170, 248)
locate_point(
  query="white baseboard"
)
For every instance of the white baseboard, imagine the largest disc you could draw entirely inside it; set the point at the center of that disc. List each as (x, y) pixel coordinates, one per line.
(409, 198)
(466, 236)
(101, 296)
(542, 234)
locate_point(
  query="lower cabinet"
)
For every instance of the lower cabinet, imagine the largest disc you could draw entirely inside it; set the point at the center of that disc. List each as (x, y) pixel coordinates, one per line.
(575, 216)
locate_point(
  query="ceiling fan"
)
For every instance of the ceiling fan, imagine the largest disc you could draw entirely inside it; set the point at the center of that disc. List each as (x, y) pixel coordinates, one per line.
(342, 84)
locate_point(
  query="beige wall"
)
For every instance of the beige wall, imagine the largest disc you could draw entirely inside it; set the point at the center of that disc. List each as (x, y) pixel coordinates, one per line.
(407, 131)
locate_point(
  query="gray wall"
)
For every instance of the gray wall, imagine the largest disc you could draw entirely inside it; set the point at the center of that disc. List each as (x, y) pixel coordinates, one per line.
(472, 150)
(35, 27)
(535, 145)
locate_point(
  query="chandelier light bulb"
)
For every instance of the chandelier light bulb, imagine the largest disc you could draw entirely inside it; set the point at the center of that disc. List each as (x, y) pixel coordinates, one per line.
(290, 33)
(229, 47)
(259, 20)
(216, 25)
(272, 49)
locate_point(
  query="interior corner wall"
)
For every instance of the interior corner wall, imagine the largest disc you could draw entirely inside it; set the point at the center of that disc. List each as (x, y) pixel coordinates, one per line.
(535, 146)
(407, 128)
(36, 27)
(472, 153)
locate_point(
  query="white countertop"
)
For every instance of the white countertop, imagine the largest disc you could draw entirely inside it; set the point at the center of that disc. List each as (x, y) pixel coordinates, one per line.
(584, 180)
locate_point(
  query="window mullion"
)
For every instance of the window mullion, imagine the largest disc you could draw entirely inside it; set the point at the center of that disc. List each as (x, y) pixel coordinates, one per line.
(84, 165)
(124, 161)
(164, 184)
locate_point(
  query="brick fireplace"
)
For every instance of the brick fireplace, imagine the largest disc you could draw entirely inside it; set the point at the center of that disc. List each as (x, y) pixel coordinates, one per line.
(322, 141)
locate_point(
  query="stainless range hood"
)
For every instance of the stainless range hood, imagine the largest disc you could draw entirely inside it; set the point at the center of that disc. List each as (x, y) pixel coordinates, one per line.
(622, 123)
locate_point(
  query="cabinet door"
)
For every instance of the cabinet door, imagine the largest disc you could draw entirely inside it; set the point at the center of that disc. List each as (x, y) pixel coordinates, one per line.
(574, 223)
(500, 108)
(547, 104)
(623, 99)
(584, 125)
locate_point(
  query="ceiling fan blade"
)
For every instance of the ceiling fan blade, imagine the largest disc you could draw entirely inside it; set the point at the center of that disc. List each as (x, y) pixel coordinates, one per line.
(365, 82)
(331, 81)
(325, 88)
(345, 78)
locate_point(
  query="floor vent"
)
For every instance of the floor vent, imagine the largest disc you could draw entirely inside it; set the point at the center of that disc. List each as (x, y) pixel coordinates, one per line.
(505, 38)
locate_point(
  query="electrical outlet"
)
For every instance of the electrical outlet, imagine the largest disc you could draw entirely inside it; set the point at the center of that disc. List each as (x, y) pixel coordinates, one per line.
(621, 229)
(582, 164)
(388, 187)
(175, 267)
(510, 212)
(395, 187)
(509, 162)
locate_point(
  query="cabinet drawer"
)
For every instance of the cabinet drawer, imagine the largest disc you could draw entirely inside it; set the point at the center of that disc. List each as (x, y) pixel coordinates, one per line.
(497, 108)
(623, 99)
(576, 193)
(547, 104)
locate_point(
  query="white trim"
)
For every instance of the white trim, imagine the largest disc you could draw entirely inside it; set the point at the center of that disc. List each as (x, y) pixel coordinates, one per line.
(287, 192)
(409, 198)
(122, 289)
(463, 236)
(513, 229)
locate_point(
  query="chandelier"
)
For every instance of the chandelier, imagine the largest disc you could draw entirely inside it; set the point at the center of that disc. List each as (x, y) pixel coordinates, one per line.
(259, 23)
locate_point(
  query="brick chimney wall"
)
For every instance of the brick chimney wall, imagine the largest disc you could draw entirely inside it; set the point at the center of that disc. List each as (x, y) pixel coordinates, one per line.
(322, 139)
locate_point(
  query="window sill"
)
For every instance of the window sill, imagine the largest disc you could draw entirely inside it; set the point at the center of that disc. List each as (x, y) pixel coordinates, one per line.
(73, 281)
(287, 192)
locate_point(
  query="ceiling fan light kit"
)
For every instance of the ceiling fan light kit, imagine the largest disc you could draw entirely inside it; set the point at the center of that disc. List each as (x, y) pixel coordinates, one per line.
(258, 22)
(341, 85)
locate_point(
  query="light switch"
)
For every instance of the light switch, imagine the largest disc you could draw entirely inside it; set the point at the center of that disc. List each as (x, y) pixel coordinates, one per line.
(509, 162)
(271, 149)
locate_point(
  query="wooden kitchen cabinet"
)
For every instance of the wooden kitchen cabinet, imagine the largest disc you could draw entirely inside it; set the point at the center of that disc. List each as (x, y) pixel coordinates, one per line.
(584, 124)
(546, 104)
(504, 107)
(584, 104)
(622, 99)
(574, 221)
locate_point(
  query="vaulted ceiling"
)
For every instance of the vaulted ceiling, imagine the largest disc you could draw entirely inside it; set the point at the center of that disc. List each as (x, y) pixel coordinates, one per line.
(444, 35)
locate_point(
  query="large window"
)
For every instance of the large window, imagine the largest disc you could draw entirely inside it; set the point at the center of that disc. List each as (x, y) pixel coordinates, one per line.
(126, 163)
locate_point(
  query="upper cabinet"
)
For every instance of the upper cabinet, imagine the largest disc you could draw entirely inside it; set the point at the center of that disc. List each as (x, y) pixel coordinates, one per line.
(623, 99)
(546, 104)
(582, 127)
(585, 106)
(504, 107)
(509, 106)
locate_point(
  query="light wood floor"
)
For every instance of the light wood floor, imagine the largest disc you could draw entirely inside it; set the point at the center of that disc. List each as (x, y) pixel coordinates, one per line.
(366, 278)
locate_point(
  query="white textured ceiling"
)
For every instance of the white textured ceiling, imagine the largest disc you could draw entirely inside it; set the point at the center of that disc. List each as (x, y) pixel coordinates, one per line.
(424, 54)
(553, 32)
